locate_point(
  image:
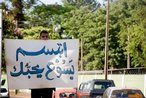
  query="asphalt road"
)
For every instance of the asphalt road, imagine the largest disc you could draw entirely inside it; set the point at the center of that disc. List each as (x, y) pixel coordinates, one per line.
(20, 95)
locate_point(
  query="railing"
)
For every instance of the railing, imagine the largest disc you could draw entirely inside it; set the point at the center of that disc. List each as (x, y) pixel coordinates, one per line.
(140, 70)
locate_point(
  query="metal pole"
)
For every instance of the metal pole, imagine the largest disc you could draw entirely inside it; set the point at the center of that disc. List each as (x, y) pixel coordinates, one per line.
(81, 54)
(106, 41)
(0, 44)
(128, 55)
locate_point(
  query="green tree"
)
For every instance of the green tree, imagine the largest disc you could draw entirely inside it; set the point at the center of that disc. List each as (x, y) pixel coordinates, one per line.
(46, 15)
(13, 10)
(130, 15)
(33, 32)
(16, 8)
(90, 26)
(92, 4)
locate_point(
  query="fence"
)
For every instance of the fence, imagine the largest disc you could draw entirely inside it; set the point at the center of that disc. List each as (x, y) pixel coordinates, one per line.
(132, 77)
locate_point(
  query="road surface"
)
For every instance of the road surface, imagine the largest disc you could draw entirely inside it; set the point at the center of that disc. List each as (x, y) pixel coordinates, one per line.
(20, 95)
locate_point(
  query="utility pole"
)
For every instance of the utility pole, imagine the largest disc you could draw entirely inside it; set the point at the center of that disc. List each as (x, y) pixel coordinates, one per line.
(128, 55)
(106, 41)
(82, 54)
(0, 45)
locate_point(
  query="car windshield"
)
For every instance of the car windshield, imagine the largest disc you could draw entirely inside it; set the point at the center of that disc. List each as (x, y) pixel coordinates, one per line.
(127, 94)
(3, 90)
(102, 85)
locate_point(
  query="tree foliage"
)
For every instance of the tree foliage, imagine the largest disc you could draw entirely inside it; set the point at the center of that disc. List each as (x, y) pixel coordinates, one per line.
(130, 15)
(90, 26)
(46, 15)
(86, 20)
(33, 32)
(91, 4)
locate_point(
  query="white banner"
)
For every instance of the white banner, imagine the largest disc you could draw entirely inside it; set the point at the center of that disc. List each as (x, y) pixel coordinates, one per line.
(41, 63)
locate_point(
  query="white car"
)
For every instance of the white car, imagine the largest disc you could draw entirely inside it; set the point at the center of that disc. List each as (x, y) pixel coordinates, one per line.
(3, 90)
(122, 92)
(4, 93)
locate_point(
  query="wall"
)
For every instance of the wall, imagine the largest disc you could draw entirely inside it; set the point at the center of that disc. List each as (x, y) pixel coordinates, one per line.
(127, 80)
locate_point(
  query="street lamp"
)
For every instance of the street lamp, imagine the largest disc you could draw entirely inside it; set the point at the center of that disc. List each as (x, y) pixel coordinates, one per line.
(106, 41)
